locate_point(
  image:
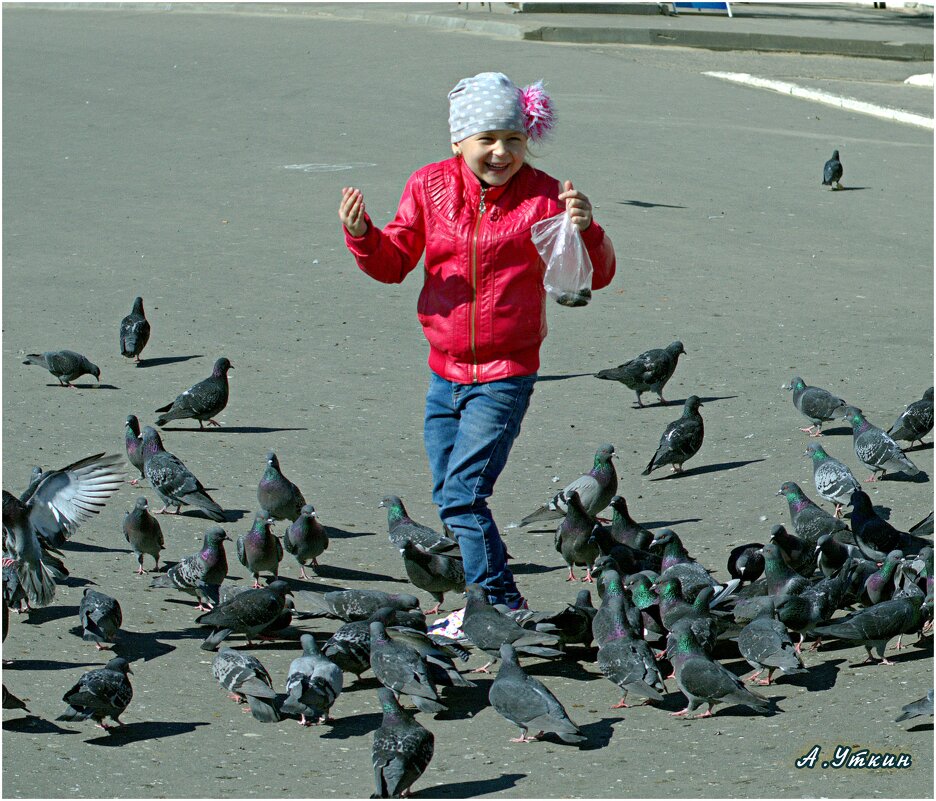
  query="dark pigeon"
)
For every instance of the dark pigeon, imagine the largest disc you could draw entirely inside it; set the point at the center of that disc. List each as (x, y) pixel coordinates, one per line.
(796, 552)
(880, 585)
(134, 445)
(627, 660)
(809, 520)
(625, 530)
(692, 575)
(144, 533)
(816, 404)
(173, 481)
(610, 587)
(402, 749)
(246, 679)
(816, 604)
(436, 573)
(781, 578)
(647, 372)
(920, 708)
(681, 439)
(134, 332)
(924, 527)
(628, 560)
(916, 421)
(832, 171)
(201, 573)
(402, 669)
(875, 536)
(402, 527)
(875, 448)
(833, 480)
(573, 624)
(65, 365)
(10, 701)
(99, 694)
(832, 554)
(100, 618)
(351, 605)
(574, 538)
(306, 539)
(646, 601)
(202, 401)
(746, 562)
(247, 613)
(313, 684)
(260, 549)
(766, 645)
(277, 494)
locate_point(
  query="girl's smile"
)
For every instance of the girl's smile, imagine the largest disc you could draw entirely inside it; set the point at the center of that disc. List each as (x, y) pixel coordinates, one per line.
(493, 156)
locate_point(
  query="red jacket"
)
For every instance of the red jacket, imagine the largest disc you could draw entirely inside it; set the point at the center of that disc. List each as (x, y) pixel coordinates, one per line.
(483, 304)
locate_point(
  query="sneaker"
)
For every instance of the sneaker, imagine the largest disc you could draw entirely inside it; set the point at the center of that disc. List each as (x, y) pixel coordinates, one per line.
(520, 604)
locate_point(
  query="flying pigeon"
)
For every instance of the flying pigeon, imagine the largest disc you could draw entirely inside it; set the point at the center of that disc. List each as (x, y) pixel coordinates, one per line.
(921, 707)
(260, 549)
(766, 645)
(402, 527)
(681, 439)
(875, 448)
(402, 749)
(402, 669)
(436, 573)
(246, 679)
(277, 494)
(202, 401)
(809, 520)
(247, 613)
(99, 694)
(627, 660)
(306, 539)
(833, 480)
(815, 404)
(916, 421)
(832, 171)
(134, 332)
(100, 618)
(313, 684)
(134, 446)
(647, 372)
(201, 573)
(173, 481)
(65, 365)
(144, 533)
(574, 538)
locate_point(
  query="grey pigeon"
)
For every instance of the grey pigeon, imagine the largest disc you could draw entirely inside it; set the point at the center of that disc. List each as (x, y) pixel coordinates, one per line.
(880, 585)
(306, 539)
(134, 446)
(832, 171)
(100, 618)
(436, 573)
(833, 480)
(875, 448)
(610, 587)
(573, 624)
(10, 701)
(816, 404)
(816, 604)
(351, 605)
(402, 527)
(627, 660)
(144, 533)
(134, 332)
(65, 365)
(916, 421)
(677, 562)
(624, 529)
(574, 538)
(202, 401)
(766, 645)
(796, 552)
(647, 372)
(173, 481)
(595, 489)
(247, 613)
(781, 578)
(528, 703)
(260, 549)
(915, 709)
(401, 751)
(809, 520)
(199, 573)
(102, 693)
(313, 684)
(246, 679)
(277, 494)
(437, 652)
(402, 669)
(681, 439)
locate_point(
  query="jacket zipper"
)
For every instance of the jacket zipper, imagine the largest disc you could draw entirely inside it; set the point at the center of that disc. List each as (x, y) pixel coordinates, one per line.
(473, 325)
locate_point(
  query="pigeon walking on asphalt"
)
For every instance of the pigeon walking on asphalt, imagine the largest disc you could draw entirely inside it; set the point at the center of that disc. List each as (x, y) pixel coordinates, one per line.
(436, 573)
(627, 660)
(277, 494)
(833, 480)
(144, 533)
(173, 481)
(100, 618)
(647, 372)
(306, 539)
(313, 684)
(832, 172)
(803, 611)
(809, 520)
(134, 332)
(875, 448)
(349, 605)
(402, 669)
(916, 421)
(65, 365)
(528, 703)
(201, 402)
(920, 708)
(681, 439)
(134, 445)
(247, 613)
(766, 645)
(201, 573)
(402, 527)
(260, 549)
(815, 404)
(574, 538)
(246, 679)
(102, 693)
(401, 751)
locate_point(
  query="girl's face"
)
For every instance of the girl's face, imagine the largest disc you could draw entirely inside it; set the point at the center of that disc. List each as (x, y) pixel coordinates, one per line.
(493, 156)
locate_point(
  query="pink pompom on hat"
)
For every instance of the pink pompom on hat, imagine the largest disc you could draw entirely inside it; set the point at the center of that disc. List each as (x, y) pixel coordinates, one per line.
(490, 101)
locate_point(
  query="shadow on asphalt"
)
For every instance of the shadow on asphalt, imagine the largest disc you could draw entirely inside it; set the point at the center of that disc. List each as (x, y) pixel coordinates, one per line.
(599, 733)
(158, 361)
(35, 725)
(234, 430)
(145, 730)
(531, 569)
(47, 613)
(346, 727)
(471, 788)
(708, 468)
(87, 547)
(560, 377)
(340, 533)
(48, 664)
(646, 204)
(348, 574)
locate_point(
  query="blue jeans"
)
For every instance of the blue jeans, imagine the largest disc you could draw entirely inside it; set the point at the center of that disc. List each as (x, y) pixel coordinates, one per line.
(468, 433)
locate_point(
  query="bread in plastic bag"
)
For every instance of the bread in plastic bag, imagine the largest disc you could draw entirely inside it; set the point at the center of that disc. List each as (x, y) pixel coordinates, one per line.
(568, 266)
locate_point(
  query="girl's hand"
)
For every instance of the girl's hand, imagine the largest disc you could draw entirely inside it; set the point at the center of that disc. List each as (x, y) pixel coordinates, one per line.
(578, 206)
(351, 211)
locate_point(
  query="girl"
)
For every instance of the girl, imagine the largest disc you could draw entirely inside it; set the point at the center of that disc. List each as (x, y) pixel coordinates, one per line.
(482, 305)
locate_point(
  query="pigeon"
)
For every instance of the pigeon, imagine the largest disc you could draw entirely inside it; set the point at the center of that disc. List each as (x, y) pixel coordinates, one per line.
(809, 520)
(833, 480)
(692, 576)
(99, 694)
(611, 586)
(402, 527)
(628, 560)
(246, 679)
(627, 660)
(10, 701)
(65, 365)
(796, 552)
(647, 372)
(675, 611)
(746, 562)
(437, 652)
(528, 703)
(832, 172)
(402, 669)
(916, 421)
(880, 585)
(134, 332)
(436, 573)
(313, 684)
(681, 439)
(277, 494)
(816, 603)
(766, 645)
(306, 539)
(874, 535)
(173, 481)
(248, 613)
(144, 533)
(573, 624)
(875, 448)
(348, 605)
(260, 549)
(574, 538)
(402, 749)
(815, 404)
(626, 530)
(100, 618)
(781, 578)
(921, 707)
(832, 554)
(202, 401)
(134, 446)
(924, 526)
(199, 573)
(646, 601)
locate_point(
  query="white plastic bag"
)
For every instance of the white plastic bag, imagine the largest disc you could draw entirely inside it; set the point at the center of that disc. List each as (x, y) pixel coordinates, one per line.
(568, 267)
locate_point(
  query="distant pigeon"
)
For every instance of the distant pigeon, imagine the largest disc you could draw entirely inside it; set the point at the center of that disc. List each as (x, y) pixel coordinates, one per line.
(199, 573)
(436, 573)
(574, 538)
(277, 494)
(173, 481)
(809, 520)
(916, 421)
(313, 683)
(134, 446)
(306, 539)
(627, 660)
(595, 489)
(65, 365)
(876, 449)
(134, 332)
(360, 604)
(202, 401)
(681, 439)
(815, 404)
(922, 707)
(401, 751)
(832, 171)
(402, 527)
(246, 679)
(402, 669)
(260, 549)
(833, 480)
(144, 533)
(99, 694)
(247, 613)
(647, 372)
(766, 645)
(100, 618)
